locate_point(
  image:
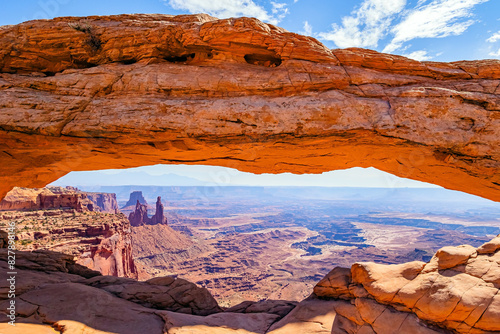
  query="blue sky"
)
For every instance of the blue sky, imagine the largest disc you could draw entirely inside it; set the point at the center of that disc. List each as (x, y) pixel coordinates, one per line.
(438, 30)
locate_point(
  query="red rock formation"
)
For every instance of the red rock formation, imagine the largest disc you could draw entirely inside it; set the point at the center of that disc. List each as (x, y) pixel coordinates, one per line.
(457, 290)
(159, 216)
(135, 196)
(46, 198)
(105, 202)
(86, 298)
(58, 197)
(62, 219)
(236, 93)
(140, 216)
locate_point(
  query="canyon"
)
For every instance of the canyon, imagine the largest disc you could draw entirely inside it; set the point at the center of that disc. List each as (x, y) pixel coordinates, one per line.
(132, 90)
(254, 243)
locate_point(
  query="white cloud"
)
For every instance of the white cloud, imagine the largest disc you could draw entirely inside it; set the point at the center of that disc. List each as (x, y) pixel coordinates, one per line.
(279, 11)
(495, 54)
(440, 18)
(232, 8)
(420, 55)
(367, 24)
(495, 37)
(307, 29)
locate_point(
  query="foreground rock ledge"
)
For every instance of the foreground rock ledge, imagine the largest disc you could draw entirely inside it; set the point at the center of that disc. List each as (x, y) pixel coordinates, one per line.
(457, 290)
(133, 90)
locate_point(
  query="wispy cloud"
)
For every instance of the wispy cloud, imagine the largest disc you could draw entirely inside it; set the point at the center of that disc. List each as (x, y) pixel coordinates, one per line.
(439, 18)
(493, 38)
(366, 25)
(308, 30)
(420, 55)
(232, 8)
(495, 54)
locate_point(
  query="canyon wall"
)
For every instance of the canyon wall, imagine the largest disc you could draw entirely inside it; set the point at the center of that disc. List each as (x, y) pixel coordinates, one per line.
(133, 90)
(46, 198)
(104, 201)
(62, 220)
(58, 197)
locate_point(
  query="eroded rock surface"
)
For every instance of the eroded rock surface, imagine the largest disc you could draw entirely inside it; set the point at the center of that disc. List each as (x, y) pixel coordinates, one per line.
(140, 217)
(63, 220)
(457, 290)
(57, 198)
(130, 90)
(46, 198)
(52, 289)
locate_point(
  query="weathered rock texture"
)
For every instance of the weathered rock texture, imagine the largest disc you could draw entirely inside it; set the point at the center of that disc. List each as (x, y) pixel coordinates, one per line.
(57, 198)
(140, 216)
(46, 198)
(52, 289)
(61, 219)
(131, 90)
(457, 290)
(106, 202)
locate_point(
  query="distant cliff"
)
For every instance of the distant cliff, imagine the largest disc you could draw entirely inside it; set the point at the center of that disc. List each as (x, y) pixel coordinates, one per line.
(140, 217)
(46, 198)
(106, 202)
(58, 198)
(67, 221)
(136, 196)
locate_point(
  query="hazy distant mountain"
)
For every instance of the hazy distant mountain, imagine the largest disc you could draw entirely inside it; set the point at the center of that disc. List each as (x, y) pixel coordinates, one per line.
(405, 199)
(103, 178)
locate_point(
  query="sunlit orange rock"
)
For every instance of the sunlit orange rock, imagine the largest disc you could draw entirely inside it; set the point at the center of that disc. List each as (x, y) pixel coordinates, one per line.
(457, 290)
(132, 90)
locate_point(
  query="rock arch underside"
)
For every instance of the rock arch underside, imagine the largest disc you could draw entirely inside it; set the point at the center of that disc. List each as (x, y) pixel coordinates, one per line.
(133, 90)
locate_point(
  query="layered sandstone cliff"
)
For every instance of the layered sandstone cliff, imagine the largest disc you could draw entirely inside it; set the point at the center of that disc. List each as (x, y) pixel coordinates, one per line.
(46, 198)
(58, 197)
(106, 202)
(63, 220)
(140, 216)
(80, 94)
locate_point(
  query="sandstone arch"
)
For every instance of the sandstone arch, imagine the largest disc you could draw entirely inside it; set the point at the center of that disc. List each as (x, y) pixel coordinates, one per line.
(132, 90)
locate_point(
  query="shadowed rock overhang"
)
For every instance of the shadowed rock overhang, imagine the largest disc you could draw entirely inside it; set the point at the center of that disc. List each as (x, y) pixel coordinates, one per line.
(132, 90)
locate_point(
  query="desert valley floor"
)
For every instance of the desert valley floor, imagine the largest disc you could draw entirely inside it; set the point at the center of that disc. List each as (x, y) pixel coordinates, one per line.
(251, 243)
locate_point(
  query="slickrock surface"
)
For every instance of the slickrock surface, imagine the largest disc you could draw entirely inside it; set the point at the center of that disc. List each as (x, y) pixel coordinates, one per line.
(457, 290)
(412, 298)
(51, 288)
(54, 291)
(131, 90)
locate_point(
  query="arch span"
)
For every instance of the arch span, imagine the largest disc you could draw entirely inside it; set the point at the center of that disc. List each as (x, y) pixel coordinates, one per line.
(66, 105)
